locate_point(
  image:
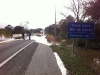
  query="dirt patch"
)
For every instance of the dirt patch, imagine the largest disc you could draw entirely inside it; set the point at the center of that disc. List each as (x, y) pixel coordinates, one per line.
(50, 38)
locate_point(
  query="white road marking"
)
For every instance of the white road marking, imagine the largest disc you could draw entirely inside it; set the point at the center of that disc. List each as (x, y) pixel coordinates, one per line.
(4, 62)
(64, 71)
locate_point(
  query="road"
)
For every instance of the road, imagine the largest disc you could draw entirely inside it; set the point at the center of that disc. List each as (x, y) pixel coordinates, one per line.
(43, 62)
(18, 64)
(32, 59)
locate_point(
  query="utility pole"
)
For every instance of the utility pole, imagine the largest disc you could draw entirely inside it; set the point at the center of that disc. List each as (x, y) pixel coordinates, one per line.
(55, 22)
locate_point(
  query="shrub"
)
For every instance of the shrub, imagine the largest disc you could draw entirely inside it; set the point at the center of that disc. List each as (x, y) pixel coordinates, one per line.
(80, 43)
(93, 45)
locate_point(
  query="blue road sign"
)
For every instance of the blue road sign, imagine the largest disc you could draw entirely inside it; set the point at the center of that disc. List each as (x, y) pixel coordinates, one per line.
(80, 30)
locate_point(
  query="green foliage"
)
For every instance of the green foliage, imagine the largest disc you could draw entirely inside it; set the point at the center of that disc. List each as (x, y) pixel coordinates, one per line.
(5, 33)
(2, 31)
(63, 25)
(50, 29)
(97, 33)
(63, 35)
(87, 9)
(32, 30)
(72, 63)
(93, 45)
(80, 42)
(94, 10)
(8, 28)
(36, 30)
(18, 29)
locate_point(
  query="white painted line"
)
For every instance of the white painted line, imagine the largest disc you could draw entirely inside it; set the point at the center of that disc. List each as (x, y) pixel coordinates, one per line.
(64, 71)
(4, 62)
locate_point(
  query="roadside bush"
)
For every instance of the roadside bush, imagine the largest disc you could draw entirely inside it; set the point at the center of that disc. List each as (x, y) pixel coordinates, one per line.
(63, 35)
(93, 45)
(90, 45)
(72, 63)
(80, 42)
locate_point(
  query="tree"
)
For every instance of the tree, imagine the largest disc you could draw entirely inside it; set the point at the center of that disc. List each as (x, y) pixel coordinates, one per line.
(70, 18)
(78, 8)
(63, 25)
(24, 24)
(50, 29)
(8, 30)
(2, 31)
(64, 22)
(93, 11)
(32, 30)
(18, 30)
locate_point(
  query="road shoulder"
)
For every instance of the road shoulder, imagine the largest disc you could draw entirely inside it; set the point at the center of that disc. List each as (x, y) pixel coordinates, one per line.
(43, 62)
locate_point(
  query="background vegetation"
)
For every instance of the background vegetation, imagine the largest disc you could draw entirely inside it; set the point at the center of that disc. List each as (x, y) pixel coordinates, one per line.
(9, 30)
(72, 63)
(84, 11)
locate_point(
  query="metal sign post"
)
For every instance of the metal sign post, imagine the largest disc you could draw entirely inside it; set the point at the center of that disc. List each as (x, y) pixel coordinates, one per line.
(86, 45)
(73, 47)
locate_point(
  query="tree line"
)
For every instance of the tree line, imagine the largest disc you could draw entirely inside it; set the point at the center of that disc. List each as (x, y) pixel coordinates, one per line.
(9, 30)
(84, 11)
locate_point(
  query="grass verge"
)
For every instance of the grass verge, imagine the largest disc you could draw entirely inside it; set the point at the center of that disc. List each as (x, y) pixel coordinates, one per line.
(72, 63)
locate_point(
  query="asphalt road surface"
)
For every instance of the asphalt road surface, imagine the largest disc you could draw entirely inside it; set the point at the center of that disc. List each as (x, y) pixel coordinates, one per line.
(33, 59)
(18, 64)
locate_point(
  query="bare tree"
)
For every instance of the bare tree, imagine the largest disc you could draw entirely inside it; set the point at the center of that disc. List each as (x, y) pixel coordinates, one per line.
(24, 24)
(78, 8)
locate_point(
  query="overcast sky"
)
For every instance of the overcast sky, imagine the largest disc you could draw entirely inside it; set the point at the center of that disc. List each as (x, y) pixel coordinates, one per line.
(39, 13)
